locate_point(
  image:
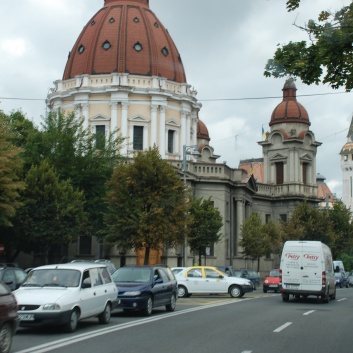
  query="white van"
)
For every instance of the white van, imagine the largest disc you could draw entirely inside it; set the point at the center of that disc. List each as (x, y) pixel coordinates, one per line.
(307, 270)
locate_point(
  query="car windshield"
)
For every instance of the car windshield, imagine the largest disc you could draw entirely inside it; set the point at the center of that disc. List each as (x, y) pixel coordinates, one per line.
(53, 278)
(132, 275)
(274, 273)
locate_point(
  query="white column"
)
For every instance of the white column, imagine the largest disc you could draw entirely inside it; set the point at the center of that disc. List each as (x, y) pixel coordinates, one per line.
(154, 125)
(183, 130)
(124, 132)
(113, 116)
(85, 115)
(162, 132)
(188, 126)
(194, 130)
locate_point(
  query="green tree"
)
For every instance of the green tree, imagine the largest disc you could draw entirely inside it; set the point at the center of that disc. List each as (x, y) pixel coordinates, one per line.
(259, 239)
(53, 213)
(328, 55)
(340, 218)
(10, 172)
(147, 205)
(205, 226)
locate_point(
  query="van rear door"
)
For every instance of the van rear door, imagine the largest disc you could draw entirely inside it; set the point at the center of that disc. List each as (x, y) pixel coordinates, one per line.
(301, 268)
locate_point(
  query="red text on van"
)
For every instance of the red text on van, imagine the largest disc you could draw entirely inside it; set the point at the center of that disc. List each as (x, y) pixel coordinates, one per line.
(292, 256)
(311, 257)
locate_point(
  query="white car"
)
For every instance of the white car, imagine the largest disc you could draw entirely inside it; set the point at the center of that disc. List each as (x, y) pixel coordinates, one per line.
(207, 280)
(63, 294)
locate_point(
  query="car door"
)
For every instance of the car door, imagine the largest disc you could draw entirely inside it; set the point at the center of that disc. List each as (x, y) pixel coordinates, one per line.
(214, 282)
(88, 295)
(194, 281)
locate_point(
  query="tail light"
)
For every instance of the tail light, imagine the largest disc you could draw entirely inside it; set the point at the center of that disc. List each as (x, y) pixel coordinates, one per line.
(324, 278)
(280, 276)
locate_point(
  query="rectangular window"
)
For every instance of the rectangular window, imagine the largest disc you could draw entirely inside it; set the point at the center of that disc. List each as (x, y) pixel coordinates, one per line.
(283, 217)
(171, 141)
(85, 245)
(279, 173)
(138, 138)
(268, 218)
(100, 136)
(305, 173)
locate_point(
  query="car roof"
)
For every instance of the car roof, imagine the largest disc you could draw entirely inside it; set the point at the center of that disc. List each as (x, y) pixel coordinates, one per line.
(81, 266)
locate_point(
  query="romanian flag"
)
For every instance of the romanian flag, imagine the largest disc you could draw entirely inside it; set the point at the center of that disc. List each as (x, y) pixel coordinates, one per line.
(251, 170)
(263, 133)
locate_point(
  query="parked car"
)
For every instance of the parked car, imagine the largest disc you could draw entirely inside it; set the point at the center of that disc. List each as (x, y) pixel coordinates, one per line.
(341, 279)
(111, 266)
(63, 294)
(350, 278)
(12, 276)
(176, 270)
(252, 275)
(8, 317)
(207, 280)
(272, 281)
(146, 287)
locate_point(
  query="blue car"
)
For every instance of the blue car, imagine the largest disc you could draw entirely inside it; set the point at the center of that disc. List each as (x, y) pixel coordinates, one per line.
(146, 287)
(341, 279)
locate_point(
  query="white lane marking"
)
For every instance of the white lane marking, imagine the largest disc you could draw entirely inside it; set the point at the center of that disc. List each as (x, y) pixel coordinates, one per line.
(46, 347)
(309, 312)
(279, 329)
(341, 300)
(246, 352)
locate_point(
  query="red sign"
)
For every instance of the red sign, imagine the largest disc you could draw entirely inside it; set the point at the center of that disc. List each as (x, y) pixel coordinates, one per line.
(2, 248)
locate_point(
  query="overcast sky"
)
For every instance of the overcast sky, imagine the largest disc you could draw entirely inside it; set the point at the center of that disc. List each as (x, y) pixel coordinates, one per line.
(224, 46)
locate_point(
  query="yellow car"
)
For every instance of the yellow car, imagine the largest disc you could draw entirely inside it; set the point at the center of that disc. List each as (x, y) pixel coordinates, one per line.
(207, 280)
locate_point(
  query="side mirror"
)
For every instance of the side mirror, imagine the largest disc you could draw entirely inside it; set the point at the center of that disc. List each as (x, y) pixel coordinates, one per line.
(220, 276)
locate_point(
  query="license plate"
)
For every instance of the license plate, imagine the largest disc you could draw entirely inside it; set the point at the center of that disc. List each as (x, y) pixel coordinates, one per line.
(292, 286)
(273, 285)
(26, 317)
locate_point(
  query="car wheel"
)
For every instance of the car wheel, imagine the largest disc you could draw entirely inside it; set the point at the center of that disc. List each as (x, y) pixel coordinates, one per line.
(285, 297)
(235, 292)
(264, 290)
(149, 307)
(5, 338)
(171, 306)
(182, 292)
(104, 317)
(71, 325)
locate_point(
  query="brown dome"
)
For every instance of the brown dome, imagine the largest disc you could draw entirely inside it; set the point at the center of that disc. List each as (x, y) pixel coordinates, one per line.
(289, 110)
(202, 132)
(125, 36)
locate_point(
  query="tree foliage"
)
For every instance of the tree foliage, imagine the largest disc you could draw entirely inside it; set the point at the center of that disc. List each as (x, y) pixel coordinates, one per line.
(10, 172)
(205, 225)
(328, 55)
(53, 211)
(259, 239)
(147, 204)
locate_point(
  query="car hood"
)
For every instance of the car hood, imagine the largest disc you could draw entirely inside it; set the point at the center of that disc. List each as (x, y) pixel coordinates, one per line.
(237, 280)
(37, 296)
(126, 286)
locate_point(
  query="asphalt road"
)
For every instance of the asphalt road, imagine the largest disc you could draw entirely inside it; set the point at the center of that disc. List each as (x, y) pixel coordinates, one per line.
(257, 323)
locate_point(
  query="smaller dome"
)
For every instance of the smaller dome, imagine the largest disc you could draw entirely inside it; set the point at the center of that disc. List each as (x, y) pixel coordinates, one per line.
(289, 110)
(202, 132)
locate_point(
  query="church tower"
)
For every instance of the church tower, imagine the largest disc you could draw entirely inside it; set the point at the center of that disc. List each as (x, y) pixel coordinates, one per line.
(347, 169)
(290, 148)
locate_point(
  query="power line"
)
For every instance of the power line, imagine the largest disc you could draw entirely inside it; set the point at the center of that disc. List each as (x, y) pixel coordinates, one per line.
(199, 100)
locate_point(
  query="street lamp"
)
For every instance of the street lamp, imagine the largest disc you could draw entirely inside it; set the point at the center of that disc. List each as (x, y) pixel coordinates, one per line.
(191, 150)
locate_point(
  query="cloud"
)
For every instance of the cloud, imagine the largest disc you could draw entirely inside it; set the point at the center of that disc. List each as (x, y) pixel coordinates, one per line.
(14, 46)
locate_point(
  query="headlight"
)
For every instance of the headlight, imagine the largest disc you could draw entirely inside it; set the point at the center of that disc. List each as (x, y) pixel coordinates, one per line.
(51, 306)
(132, 294)
(266, 281)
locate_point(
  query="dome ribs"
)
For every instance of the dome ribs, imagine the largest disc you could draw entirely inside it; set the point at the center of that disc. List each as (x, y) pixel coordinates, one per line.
(135, 42)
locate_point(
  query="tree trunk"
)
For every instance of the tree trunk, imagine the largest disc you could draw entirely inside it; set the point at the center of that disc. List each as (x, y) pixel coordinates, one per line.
(258, 264)
(147, 256)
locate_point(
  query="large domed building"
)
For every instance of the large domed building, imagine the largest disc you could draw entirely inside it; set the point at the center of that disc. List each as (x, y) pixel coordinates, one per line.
(125, 75)
(125, 72)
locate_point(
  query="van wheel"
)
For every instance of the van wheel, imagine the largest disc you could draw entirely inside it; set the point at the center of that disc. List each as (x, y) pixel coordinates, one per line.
(326, 297)
(71, 325)
(333, 296)
(5, 338)
(285, 297)
(104, 317)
